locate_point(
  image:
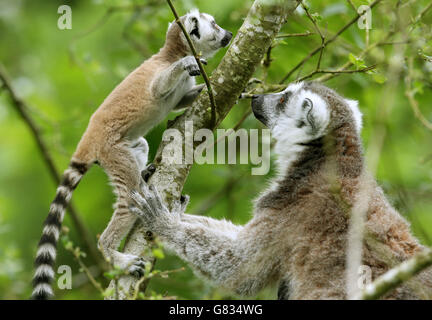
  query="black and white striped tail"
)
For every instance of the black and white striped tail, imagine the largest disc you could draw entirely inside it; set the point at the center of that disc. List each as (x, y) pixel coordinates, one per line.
(46, 253)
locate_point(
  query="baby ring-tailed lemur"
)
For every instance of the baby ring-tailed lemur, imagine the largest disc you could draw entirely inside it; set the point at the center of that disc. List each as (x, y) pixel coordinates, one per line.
(114, 139)
(298, 235)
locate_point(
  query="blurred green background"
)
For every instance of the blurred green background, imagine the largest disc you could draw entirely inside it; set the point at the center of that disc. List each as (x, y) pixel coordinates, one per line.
(63, 75)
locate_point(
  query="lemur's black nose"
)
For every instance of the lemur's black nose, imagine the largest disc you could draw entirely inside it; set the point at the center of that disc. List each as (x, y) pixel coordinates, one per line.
(226, 39)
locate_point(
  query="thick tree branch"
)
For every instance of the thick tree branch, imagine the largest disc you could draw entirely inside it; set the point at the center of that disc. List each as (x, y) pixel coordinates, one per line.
(228, 81)
(22, 108)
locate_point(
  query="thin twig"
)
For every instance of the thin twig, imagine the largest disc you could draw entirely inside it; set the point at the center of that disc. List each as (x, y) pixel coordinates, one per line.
(317, 30)
(198, 60)
(148, 277)
(423, 12)
(326, 43)
(336, 72)
(352, 5)
(410, 94)
(99, 23)
(266, 63)
(292, 35)
(361, 55)
(383, 42)
(22, 108)
(398, 275)
(85, 269)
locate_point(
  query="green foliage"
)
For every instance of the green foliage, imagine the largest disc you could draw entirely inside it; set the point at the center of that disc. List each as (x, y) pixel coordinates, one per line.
(65, 74)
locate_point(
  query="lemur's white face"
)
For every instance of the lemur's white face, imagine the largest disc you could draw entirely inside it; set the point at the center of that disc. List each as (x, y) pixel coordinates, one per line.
(206, 35)
(299, 114)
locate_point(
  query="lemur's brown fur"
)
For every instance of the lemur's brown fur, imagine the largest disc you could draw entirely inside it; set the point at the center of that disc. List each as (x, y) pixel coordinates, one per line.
(298, 236)
(113, 138)
(314, 200)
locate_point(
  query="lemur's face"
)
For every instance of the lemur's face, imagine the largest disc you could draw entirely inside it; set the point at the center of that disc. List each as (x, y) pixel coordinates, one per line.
(304, 111)
(206, 35)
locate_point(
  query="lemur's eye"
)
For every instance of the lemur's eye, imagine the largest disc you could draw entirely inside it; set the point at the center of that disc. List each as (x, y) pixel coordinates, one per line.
(282, 100)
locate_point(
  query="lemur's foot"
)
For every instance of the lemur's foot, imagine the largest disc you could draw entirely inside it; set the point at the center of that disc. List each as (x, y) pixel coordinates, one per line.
(148, 172)
(130, 263)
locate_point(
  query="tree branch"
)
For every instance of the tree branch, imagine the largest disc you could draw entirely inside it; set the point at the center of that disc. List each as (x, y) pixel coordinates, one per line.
(398, 275)
(228, 80)
(333, 72)
(410, 94)
(292, 35)
(22, 108)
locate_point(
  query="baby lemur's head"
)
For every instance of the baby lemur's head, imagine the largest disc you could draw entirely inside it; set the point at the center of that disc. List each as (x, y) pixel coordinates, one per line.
(305, 111)
(204, 32)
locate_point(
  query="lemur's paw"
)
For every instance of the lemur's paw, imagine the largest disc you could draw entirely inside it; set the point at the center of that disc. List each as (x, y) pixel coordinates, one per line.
(137, 269)
(148, 172)
(132, 265)
(191, 66)
(203, 61)
(193, 70)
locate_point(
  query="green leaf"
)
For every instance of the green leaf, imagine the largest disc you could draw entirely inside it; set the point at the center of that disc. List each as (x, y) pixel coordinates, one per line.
(418, 87)
(379, 78)
(141, 295)
(316, 16)
(68, 245)
(356, 61)
(158, 253)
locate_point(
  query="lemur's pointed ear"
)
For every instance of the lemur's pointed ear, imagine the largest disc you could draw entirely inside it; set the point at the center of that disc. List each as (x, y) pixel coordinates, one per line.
(194, 12)
(192, 26)
(353, 104)
(310, 117)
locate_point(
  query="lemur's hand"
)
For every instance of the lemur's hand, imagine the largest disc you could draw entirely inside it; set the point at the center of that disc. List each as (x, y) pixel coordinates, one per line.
(149, 207)
(191, 66)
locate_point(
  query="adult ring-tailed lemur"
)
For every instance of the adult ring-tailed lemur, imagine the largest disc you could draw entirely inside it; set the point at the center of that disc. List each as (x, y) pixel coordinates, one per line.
(113, 138)
(298, 235)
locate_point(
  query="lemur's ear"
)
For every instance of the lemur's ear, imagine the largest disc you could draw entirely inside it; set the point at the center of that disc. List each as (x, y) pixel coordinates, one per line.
(310, 117)
(353, 104)
(194, 27)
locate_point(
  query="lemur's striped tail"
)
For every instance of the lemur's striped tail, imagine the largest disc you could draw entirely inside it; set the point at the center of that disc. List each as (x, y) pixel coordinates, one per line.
(46, 253)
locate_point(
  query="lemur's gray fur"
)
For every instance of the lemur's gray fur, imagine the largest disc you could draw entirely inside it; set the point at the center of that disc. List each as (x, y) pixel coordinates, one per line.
(298, 235)
(113, 138)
